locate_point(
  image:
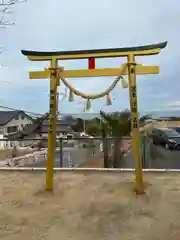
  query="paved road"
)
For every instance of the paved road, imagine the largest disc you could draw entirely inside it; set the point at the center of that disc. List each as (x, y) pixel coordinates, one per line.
(168, 159)
(77, 155)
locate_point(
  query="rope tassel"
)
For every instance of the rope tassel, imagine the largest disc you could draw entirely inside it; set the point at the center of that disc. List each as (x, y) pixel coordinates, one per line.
(108, 100)
(71, 97)
(88, 105)
(124, 83)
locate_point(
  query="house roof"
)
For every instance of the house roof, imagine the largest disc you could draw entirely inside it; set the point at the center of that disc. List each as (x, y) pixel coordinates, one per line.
(7, 116)
(39, 128)
(60, 122)
(59, 129)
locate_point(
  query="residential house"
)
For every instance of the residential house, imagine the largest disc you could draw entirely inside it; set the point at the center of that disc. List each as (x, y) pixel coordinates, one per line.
(13, 121)
(39, 129)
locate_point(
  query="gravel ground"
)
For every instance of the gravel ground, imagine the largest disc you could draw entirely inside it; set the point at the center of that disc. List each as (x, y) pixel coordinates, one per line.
(89, 206)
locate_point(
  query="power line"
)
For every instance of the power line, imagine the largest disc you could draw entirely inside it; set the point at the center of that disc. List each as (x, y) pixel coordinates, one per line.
(15, 109)
(59, 114)
(34, 113)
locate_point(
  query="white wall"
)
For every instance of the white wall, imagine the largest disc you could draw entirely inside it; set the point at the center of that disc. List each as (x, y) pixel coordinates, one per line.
(4, 144)
(2, 130)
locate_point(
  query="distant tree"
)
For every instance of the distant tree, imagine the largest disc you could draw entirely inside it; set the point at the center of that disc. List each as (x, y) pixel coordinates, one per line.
(79, 126)
(93, 127)
(117, 125)
(145, 117)
(174, 118)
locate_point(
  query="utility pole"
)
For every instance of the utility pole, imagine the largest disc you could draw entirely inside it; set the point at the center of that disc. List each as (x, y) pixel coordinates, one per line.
(84, 120)
(57, 103)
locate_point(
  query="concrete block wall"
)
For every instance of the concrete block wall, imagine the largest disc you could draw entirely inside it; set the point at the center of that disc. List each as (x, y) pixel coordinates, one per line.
(35, 157)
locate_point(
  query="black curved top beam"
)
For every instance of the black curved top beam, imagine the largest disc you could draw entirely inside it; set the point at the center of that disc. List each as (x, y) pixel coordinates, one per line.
(96, 51)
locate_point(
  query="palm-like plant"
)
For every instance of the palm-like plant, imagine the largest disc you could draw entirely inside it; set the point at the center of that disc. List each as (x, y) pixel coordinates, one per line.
(93, 127)
(116, 125)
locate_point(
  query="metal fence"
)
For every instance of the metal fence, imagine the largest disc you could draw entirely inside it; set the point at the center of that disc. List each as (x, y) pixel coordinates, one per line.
(88, 153)
(77, 152)
(153, 156)
(157, 157)
(22, 152)
(69, 152)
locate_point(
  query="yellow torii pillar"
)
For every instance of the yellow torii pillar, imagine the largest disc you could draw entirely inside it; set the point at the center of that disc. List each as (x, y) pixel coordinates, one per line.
(132, 69)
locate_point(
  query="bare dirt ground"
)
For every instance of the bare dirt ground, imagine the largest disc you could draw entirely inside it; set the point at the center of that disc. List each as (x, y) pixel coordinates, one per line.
(89, 206)
(94, 162)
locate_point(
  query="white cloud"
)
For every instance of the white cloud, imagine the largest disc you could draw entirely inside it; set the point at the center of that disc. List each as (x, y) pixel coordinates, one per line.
(151, 96)
(165, 109)
(174, 103)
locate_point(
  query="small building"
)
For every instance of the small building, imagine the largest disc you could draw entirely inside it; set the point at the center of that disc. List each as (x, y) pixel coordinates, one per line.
(39, 130)
(13, 121)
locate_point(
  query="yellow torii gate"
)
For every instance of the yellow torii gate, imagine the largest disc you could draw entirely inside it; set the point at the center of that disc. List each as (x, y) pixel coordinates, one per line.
(131, 68)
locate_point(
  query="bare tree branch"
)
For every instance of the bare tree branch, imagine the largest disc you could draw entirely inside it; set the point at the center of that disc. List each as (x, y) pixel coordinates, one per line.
(2, 49)
(6, 9)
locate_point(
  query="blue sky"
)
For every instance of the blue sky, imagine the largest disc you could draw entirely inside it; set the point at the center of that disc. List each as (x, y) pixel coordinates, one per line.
(86, 24)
